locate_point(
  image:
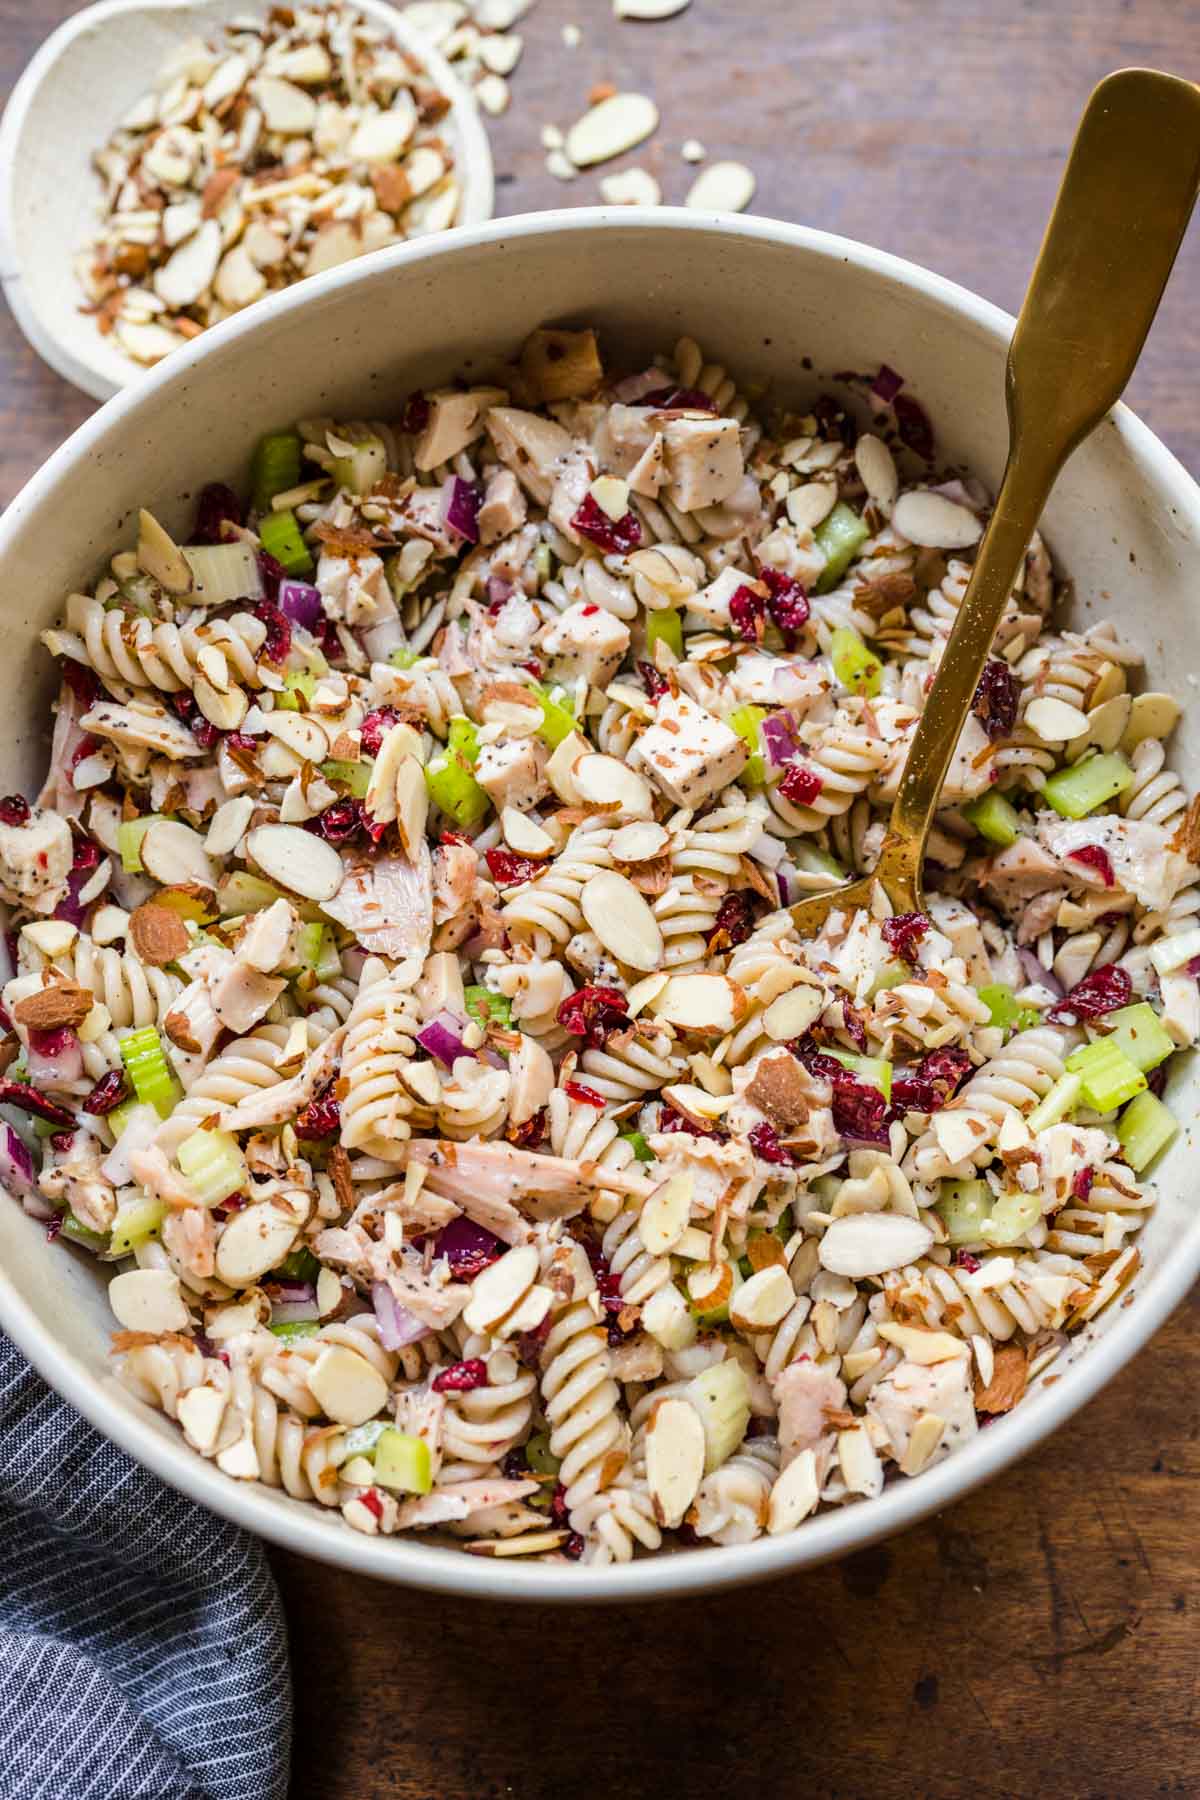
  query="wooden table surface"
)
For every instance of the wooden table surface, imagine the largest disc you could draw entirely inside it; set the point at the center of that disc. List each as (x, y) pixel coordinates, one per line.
(1040, 1639)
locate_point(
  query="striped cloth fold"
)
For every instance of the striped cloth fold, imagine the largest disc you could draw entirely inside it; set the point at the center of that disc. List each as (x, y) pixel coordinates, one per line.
(143, 1654)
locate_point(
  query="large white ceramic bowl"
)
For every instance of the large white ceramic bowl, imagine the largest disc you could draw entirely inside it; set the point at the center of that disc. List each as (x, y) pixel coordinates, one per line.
(85, 78)
(763, 297)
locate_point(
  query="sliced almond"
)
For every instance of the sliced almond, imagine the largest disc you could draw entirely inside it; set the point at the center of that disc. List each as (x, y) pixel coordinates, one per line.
(304, 864)
(921, 1346)
(959, 1132)
(228, 824)
(648, 9)
(49, 1008)
(640, 842)
(147, 343)
(861, 1468)
(225, 706)
(496, 1291)
(611, 495)
(382, 137)
(523, 834)
(188, 272)
(53, 937)
(927, 1435)
(722, 187)
(792, 1013)
(763, 1299)
(348, 1389)
(665, 1214)
(862, 1244)
(602, 780)
(158, 934)
(160, 556)
(877, 469)
(329, 1292)
(240, 1460)
(765, 1251)
(254, 1240)
(934, 522)
(810, 503)
(148, 1300)
(622, 920)
(303, 734)
(710, 1285)
(238, 281)
(709, 1005)
(528, 1313)
(674, 1459)
(174, 855)
(1055, 721)
(631, 187)
(412, 805)
(286, 109)
(794, 1495)
(669, 1319)
(1150, 716)
(611, 128)
(201, 1412)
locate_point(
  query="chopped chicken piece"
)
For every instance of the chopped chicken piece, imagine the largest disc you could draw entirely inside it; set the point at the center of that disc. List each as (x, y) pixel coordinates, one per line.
(704, 461)
(532, 447)
(688, 753)
(456, 419)
(513, 772)
(586, 640)
(388, 904)
(1019, 871)
(267, 940)
(503, 509)
(806, 1392)
(141, 725)
(354, 588)
(899, 1400)
(35, 860)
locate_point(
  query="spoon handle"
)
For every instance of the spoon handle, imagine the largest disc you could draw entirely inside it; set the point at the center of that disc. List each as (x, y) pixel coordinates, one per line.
(1121, 212)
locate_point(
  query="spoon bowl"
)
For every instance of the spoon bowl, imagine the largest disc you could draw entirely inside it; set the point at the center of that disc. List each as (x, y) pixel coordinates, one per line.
(81, 83)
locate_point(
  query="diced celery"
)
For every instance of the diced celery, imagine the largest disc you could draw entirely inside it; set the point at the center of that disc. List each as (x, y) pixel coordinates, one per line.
(858, 669)
(1006, 1010)
(747, 722)
(810, 859)
(214, 1166)
(280, 536)
(876, 1071)
(1144, 1129)
(454, 789)
(892, 974)
(296, 683)
(295, 1330)
(316, 950)
(119, 1117)
(1108, 1076)
(463, 740)
(539, 1455)
(542, 564)
(222, 573)
(355, 775)
(275, 467)
(1170, 953)
(487, 1008)
(1087, 784)
(299, 1265)
(1141, 1034)
(137, 1221)
(641, 1148)
(719, 1314)
(1012, 1216)
(1063, 1098)
(963, 1206)
(129, 842)
(362, 468)
(361, 1440)
(148, 1070)
(404, 657)
(403, 1462)
(81, 1234)
(667, 625)
(558, 721)
(721, 1397)
(839, 536)
(994, 818)
(241, 892)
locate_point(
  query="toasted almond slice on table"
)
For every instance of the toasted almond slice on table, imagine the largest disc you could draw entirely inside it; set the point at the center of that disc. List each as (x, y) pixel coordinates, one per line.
(863, 1244)
(631, 187)
(674, 1458)
(174, 855)
(722, 187)
(296, 859)
(611, 128)
(622, 920)
(935, 522)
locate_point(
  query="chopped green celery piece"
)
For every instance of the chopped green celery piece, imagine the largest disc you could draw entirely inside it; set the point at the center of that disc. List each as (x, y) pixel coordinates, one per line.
(963, 1206)
(1170, 953)
(79, 1233)
(129, 842)
(539, 1455)
(295, 1329)
(361, 1440)
(137, 1221)
(839, 536)
(1144, 1129)
(405, 657)
(119, 1117)
(45, 1128)
(1002, 1003)
(858, 669)
(214, 1165)
(542, 564)
(147, 1068)
(1140, 1033)
(363, 467)
(641, 1148)
(454, 789)
(299, 1265)
(1108, 1076)
(994, 818)
(1063, 1098)
(295, 683)
(275, 467)
(666, 624)
(876, 1071)
(356, 775)
(242, 892)
(316, 950)
(403, 1462)
(810, 859)
(721, 1396)
(1012, 1216)
(280, 536)
(891, 975)
(558, 721)
(1087, 784)
(463, 739)
(487, 1008)
(747, 722)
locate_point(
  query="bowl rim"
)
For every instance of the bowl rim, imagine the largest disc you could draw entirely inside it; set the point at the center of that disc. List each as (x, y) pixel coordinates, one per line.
(479, 186)
(298, 1526)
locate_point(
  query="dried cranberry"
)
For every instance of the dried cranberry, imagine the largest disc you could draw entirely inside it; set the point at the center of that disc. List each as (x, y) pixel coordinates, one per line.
(594, 1013)
(618, 535)
(63, 1141)
(655, 684)
(203, 730)
(678, 399)
(14, 810)
(558, 1504)
(108, 1092)
(859, 1112)
(764, 1141)
(912, 423)
(321, 1117)
(217, 507)
(529, 1344)
(734, 921)
(240, 741)
(995, 702)
(585, 1096)
(462, 1377)
(329, 643)
(509, 870)
(372, 1501)
(529, 1134)
(86, 746)
(1081, 1187)
(532, 667)
(339, 822)
(454, 837)
(671, 1120)
(415, 416)
(928, 1085)
(903, 932)
(272, 572)
(787, 603)
(467, 1247)
(854, 1027)
(54, 1227)
(1100, 992)
(970, 1263)
(574, 1547)
(84, 683)
(1156, 1080)
(808, 1051)
(1095, 856)
(28, 1099)
(747, 611)
(278, 640)
(800, 784)
(375, 726)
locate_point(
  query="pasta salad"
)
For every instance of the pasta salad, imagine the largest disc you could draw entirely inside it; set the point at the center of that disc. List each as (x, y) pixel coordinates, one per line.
(403, 1003)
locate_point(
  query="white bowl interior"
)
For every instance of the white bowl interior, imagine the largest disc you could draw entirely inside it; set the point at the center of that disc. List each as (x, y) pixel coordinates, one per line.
(80, 85)
(762, 297)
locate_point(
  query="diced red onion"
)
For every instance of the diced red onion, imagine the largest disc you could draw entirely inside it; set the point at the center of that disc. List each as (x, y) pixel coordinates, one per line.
(460, 507)
(466, 1246)
(397, 1326)
(16, 1166)
(1036, 973)
(55, 1058)
(779, 738)
(300, 602)
(499, 590)
(442, 1037)
(785, 887)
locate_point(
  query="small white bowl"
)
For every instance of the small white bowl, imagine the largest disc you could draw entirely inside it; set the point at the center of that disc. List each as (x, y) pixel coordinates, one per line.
(763, 298)
(82, 81)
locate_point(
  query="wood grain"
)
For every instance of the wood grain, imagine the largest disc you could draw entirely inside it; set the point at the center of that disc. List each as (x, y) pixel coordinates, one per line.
(1039, 1640)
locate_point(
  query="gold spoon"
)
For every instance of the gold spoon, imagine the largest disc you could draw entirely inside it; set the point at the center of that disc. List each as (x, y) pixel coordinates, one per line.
(1121, 212)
